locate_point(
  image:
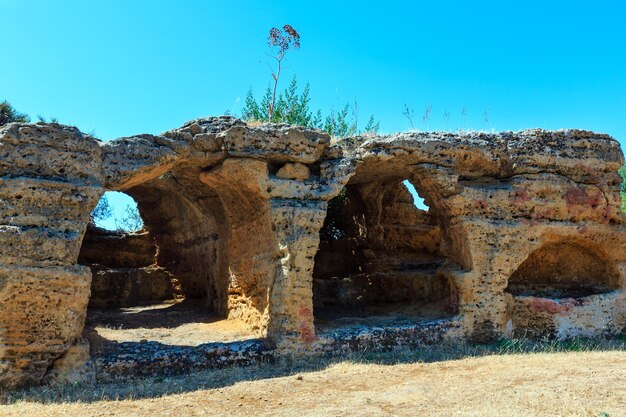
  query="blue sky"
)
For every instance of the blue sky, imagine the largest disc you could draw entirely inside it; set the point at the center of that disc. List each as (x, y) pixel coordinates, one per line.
(124, 67)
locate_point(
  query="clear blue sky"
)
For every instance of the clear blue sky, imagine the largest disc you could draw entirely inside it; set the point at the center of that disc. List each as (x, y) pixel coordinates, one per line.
(126, 67)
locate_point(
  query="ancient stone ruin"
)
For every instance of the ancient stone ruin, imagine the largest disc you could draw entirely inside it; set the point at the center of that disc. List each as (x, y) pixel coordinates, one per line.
(307, 245)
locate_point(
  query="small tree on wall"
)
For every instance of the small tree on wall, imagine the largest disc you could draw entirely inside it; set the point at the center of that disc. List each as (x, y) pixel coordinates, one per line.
(292, 106)
(281, 40)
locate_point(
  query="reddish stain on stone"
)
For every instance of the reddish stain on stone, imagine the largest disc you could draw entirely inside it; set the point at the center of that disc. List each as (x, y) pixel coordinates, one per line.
(520, 196)
(546, 305)
(579, 197)
(547, 213)
(305, 312)
(482, 204)
(607, 213)
(592, 176)
(306, 333)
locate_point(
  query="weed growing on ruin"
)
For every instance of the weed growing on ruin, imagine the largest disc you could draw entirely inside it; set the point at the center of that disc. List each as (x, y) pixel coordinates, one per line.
(293, 106)
(446, 119)
(8, 114)
(426, 117)
(53, 119)
(281, 40)
(409, 114)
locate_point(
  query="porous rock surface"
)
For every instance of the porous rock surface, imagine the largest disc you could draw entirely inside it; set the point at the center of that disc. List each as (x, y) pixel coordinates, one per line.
(237, 222)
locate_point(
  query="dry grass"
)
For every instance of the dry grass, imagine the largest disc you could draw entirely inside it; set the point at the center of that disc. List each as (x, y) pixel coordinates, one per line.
(508, 379)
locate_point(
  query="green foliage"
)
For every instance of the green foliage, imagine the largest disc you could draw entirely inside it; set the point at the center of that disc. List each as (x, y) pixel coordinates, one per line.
(43, 119)
(102, 211)
(339, 124)
(293, 107)
(8, 114)
(131, 221)
(372, 125)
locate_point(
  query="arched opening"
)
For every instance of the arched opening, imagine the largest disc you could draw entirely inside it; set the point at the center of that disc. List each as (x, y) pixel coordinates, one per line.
(122, 255)
(164, 284)
(379, 260)
(564, 289)
(117, 212)
(563, 270)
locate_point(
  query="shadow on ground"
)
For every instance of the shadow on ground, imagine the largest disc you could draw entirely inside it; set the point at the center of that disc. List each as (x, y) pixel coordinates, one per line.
(154, 387)
(164, 315)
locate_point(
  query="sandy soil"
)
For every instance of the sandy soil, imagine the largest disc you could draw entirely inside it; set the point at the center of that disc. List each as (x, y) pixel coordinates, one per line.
(565, 384)
(186, 323)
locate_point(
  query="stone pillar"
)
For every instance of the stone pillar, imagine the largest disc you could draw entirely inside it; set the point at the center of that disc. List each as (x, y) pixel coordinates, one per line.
(296, 225)
(482, 301)
(297, 212)
(49, 183)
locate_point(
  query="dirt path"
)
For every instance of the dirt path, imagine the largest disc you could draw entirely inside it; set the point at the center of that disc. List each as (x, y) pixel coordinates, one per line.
(585, 384)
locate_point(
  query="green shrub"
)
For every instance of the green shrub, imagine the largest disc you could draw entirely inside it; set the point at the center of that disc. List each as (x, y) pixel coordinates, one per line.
(8, 114)
(292, 106)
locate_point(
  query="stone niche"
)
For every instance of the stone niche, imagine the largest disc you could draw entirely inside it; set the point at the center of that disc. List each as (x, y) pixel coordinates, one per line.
(565, 289)
(380, 259)
(563, 270)
(303, 242)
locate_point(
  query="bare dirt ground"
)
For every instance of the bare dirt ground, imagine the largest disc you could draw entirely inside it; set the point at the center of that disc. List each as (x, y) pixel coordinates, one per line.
(185, 323)
(468, 381)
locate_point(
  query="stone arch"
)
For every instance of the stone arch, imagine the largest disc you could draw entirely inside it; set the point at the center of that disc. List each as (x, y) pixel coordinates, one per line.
(213, 234)
(437, 185)
(123, 261)
(564, 288)
(379, 250)
(214, 243)
(564, 269)
(209, 220)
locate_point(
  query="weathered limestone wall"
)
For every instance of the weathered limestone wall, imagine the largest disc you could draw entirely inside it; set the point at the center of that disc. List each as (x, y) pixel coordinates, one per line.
(500, 197)
(236, 212)
(232, 180)
(49, 183)
(117, 249)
